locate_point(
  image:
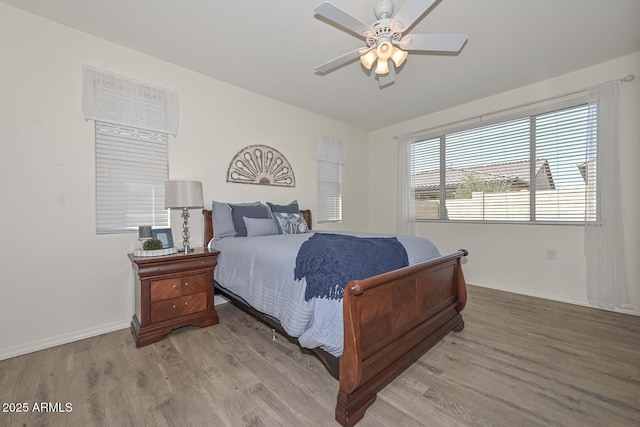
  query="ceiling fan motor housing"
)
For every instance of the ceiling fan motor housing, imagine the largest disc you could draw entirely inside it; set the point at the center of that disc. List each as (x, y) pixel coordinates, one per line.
(382, 31)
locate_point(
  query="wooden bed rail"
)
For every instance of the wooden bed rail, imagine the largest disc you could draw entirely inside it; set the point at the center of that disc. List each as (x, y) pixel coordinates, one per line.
(392, 319)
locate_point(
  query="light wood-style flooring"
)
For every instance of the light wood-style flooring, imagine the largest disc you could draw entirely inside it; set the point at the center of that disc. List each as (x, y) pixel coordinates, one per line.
(520, 361)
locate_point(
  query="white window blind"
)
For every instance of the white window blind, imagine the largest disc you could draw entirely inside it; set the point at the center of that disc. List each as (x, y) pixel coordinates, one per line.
(329, 155)
(131, 169)
(538, 168)
(329, 192)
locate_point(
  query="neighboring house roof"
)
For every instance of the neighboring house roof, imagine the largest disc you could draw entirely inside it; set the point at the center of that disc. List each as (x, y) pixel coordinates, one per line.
(513, 172)
(582, 167)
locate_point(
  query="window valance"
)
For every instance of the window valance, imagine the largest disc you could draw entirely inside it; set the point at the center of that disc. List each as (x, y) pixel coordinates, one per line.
(117, 99)
(329, 149)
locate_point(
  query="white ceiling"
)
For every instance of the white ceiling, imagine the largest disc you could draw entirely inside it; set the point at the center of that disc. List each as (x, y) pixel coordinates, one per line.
(272, 47)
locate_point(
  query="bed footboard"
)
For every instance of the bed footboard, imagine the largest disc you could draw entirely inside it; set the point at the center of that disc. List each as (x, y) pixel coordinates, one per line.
(392, 319)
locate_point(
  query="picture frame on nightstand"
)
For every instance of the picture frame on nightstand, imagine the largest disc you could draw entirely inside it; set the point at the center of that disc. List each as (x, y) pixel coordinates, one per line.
(164, 235)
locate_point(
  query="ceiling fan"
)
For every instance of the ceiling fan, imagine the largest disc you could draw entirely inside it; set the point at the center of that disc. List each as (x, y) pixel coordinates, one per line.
(385, 38)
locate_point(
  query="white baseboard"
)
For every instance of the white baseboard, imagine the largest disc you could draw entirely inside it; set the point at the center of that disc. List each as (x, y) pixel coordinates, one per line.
(557, 298)
(38, 345)
(30, 347)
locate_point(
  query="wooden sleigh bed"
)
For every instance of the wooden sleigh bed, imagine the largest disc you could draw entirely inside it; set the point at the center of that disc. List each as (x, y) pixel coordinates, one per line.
(390, 320)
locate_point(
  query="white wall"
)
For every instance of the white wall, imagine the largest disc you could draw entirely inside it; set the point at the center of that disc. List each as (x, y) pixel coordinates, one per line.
(61, 281)
(513, 257)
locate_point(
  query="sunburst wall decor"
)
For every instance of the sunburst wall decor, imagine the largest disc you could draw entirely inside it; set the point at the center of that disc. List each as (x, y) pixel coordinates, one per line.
(262, 165)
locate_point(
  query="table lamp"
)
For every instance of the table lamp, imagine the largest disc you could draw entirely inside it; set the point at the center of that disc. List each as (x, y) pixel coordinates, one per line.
(183, 195)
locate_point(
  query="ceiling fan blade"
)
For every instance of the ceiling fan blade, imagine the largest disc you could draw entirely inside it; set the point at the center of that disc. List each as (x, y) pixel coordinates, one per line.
(347, 57)
(387, 79)
(434, 42)
(409, 14)
(334, 14)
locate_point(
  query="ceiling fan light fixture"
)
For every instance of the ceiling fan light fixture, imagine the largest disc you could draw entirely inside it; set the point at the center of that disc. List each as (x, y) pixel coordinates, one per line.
(368, 59)
(387, 38)
(383, 66)
(398, 56)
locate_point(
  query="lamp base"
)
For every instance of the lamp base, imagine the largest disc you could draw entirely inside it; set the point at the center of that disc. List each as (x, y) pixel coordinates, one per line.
(186, 247)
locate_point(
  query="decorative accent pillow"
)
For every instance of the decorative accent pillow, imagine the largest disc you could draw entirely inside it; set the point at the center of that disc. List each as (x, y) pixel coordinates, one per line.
(260, 227)
(290, 208)
(238, 212)
(291, 223)
(222, 220)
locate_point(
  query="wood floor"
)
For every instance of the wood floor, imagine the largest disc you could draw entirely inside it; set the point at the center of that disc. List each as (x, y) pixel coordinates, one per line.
(520, 361)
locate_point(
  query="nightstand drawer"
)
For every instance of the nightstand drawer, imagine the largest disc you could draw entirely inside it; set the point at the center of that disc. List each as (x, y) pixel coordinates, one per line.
(195, 283)
(165, 289)
(175, 307)
(179, 286)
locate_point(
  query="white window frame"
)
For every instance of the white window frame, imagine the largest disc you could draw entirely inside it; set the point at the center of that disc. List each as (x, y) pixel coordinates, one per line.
(440, 137)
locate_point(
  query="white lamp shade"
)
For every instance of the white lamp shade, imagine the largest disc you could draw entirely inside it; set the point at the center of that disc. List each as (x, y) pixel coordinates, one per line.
(183, 194)
(382, 67)
(398, 56)
(368, 59)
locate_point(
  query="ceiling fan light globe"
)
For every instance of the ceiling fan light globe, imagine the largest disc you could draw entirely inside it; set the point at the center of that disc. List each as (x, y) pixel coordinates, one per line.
(384, 50)
(383, 66)
(398, 56)
(368, 59)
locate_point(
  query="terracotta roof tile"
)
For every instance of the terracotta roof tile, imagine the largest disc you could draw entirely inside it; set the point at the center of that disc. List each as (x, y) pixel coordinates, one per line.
(509, 171)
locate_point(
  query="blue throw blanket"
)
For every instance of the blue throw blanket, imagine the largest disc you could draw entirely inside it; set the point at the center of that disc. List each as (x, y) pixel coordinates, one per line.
(330, 261)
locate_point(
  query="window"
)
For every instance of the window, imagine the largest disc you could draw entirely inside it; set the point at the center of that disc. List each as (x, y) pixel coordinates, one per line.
(329, 191)
(133, 120)
(131, 169)
(539, 168)
(330, 158)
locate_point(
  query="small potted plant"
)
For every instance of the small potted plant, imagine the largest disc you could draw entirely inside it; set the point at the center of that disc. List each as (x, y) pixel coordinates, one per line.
(153, 247)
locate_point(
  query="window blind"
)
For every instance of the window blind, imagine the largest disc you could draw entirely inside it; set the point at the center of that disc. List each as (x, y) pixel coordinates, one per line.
(330, 156)
(539, 168)
(131, 169)
(329, 191)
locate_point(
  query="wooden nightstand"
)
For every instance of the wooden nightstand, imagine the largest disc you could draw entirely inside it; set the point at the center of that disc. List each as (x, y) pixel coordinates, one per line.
(173, 291)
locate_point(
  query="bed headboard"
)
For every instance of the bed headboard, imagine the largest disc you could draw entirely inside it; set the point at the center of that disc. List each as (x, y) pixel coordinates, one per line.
(208, 223)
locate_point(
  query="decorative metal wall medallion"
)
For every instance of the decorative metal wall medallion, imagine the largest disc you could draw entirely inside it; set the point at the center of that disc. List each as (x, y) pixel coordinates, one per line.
(262, 165)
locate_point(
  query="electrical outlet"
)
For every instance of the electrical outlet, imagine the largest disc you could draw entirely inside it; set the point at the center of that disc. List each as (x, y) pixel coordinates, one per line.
(551, 254)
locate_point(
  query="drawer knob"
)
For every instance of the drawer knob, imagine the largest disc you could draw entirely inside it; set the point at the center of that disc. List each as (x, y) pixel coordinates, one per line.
(175, 286)
(186, 284)
(175, 307)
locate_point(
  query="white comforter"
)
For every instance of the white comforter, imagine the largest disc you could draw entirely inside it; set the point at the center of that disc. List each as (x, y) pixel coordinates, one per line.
(260, 270)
